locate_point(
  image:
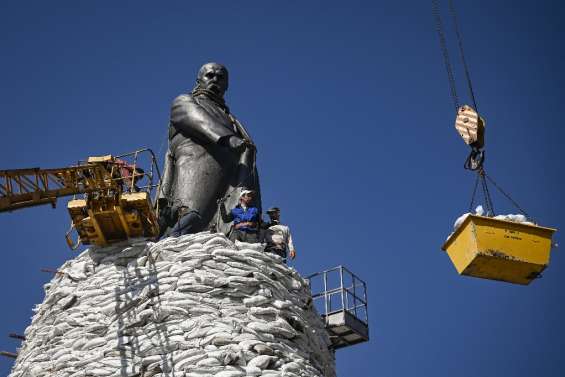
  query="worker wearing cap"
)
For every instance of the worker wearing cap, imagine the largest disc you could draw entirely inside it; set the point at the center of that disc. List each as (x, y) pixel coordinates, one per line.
(276, 236)
(245, 218)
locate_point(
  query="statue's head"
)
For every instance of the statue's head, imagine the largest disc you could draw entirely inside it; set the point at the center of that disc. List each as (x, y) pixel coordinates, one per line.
(214, 77)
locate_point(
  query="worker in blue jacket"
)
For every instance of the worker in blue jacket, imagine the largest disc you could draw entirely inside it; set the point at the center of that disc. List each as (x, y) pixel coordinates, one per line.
(245, 219)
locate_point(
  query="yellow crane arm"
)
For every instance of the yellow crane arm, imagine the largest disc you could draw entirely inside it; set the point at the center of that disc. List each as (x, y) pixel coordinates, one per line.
(113, 208)
(21, 188)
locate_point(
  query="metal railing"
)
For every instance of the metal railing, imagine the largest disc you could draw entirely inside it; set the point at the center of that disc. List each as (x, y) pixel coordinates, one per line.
(337, 290)
(152, 182)
(125, 169)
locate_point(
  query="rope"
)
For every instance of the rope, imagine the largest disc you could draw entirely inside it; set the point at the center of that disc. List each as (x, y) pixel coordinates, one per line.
(443, 45)
(212, 96)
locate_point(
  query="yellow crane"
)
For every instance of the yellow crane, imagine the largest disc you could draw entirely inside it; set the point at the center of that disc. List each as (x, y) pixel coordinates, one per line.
(115, 202)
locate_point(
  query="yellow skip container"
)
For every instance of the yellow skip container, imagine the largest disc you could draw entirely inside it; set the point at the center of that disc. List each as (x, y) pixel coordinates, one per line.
(495, 249)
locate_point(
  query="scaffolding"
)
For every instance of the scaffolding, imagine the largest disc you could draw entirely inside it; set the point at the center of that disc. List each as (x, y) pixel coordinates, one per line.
(341, 299)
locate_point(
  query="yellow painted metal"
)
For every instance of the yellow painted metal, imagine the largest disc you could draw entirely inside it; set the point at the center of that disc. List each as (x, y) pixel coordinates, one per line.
(107, 220)
(113, 208)
(99, 159)
(494, 249)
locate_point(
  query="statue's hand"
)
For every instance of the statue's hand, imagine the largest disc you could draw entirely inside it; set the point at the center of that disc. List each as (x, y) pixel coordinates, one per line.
(236, 144)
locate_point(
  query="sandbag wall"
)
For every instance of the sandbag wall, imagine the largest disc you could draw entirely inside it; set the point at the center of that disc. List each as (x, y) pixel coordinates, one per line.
(194, 306)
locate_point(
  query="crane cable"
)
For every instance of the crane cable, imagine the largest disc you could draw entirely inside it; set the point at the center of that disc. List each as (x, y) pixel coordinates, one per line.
(462, 54)
(476, 158)
(445, 52)
(483, 177)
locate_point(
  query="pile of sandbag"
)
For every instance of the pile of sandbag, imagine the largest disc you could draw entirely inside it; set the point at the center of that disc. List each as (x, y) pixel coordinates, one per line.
(194, 306)
(480, 212)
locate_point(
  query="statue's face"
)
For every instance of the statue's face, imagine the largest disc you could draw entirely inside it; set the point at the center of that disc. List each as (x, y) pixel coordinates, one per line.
(214, 77)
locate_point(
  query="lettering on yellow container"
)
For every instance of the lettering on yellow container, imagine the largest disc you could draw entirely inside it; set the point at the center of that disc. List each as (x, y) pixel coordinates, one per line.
(495, 249)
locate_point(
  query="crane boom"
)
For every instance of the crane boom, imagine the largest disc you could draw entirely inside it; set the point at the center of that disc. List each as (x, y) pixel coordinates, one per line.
(113, 207)
(21, 188)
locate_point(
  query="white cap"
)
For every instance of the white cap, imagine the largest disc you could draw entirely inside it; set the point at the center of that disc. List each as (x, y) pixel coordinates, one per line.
(245, 191)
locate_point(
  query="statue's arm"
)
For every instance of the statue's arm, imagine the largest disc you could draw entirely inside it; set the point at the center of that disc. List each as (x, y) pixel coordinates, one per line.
(226, 217)
(191, 119)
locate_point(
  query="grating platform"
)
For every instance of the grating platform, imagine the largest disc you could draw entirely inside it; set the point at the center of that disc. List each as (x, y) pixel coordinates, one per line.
(341, 299)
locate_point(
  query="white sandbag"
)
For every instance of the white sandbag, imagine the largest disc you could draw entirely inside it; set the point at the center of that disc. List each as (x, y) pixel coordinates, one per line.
(252, 371)
(261, 361)
(193, 306)
(460, 220)
(208, 362)
(256, 301)
(230, 373)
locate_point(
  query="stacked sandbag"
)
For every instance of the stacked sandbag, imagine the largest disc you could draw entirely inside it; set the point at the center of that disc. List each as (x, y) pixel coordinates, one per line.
(194, 306)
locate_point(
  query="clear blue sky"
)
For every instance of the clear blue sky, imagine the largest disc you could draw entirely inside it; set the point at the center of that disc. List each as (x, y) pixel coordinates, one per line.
(349, 105)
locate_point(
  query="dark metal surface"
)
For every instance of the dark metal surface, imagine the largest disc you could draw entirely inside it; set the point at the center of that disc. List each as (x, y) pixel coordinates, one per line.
(17, 336)
(210, 155)
(11, 355)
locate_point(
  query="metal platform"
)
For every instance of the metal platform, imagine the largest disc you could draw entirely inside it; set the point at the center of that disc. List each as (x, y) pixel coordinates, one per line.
(341, 299)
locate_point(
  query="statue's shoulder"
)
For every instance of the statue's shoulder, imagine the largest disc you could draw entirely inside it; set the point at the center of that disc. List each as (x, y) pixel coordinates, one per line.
(184, 98)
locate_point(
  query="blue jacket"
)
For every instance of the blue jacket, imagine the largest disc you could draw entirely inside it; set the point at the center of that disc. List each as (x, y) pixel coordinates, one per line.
(239, 215)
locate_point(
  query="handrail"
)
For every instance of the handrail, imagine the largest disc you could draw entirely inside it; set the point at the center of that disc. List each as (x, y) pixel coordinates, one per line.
(353, 296)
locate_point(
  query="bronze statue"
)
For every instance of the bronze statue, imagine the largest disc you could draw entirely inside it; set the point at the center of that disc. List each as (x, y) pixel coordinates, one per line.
(210, 158)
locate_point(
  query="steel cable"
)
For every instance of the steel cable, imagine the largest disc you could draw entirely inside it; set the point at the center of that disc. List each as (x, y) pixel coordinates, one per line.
(461, 52)
(508, 196)
(445, 53)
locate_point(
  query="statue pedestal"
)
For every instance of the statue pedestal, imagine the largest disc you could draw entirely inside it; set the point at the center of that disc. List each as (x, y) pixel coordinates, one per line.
(195, 306)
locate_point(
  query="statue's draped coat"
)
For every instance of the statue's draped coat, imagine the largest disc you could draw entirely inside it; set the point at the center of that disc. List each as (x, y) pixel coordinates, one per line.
(199, 168)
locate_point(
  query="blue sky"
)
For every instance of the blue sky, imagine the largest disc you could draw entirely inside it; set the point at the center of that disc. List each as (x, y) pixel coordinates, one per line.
(349, 105)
